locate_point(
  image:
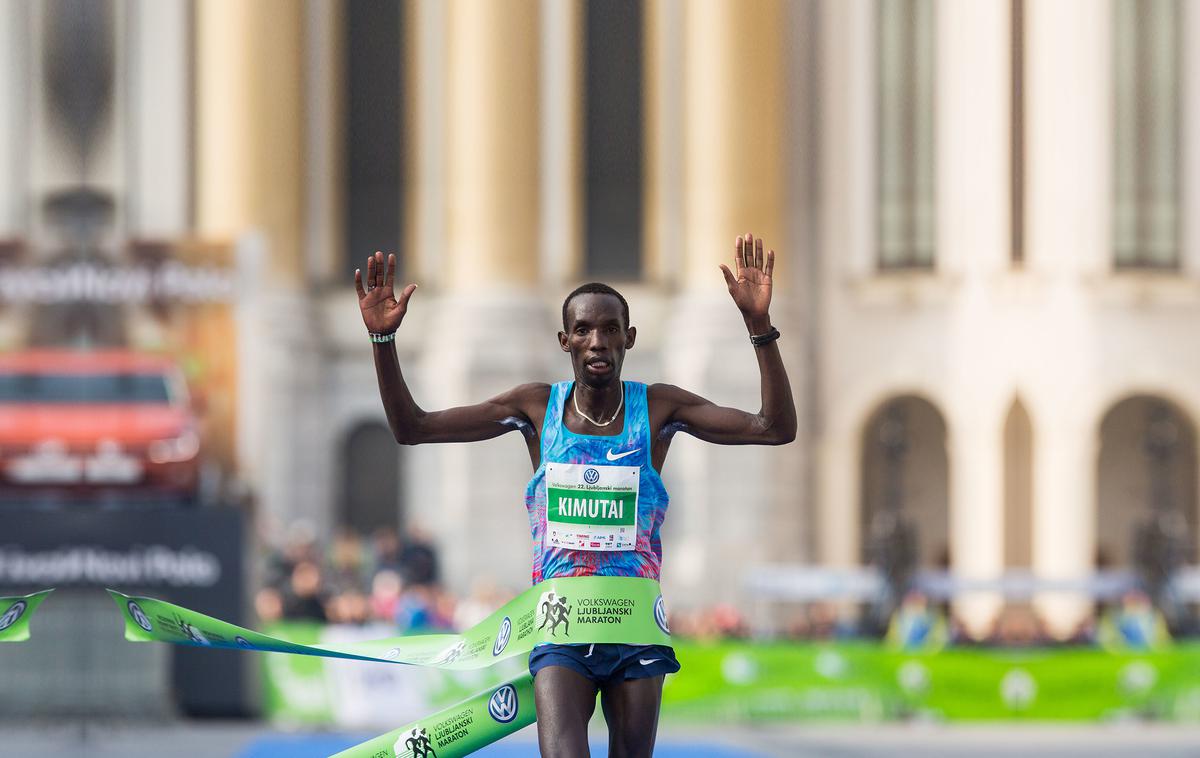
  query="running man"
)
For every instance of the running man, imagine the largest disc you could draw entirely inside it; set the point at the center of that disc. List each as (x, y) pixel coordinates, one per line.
(611, 428)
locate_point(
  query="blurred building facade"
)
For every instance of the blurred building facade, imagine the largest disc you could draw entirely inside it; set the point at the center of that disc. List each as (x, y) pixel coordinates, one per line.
(988, 277)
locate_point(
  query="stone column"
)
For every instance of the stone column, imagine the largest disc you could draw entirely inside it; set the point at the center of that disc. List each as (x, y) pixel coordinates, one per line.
(14, 76)
(733, 508)
(15, 180)
(489, 331)
(492, 144)
(250, 126)
(847, 251)
(663, 68)
(1068, 116)
(157, 147)
(977, 514)
(839, 495)
(1190, 124)
(1068, 237)
(973, 208)
(735, 129)
(562, 137)
(1064, 534)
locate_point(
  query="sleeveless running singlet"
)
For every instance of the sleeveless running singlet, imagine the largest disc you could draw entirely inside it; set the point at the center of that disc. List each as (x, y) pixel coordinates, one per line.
(595, 503)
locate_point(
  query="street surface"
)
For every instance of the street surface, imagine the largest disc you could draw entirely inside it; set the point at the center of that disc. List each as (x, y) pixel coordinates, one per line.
(253, 740)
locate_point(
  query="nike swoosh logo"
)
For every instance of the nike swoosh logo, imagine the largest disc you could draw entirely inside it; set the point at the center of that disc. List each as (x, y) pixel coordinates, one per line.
(619, 456)
(647, 662)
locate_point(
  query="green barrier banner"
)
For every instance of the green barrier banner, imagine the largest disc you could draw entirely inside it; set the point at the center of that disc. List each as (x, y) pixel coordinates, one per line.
(15, 613)
(460, 729)
(591, 609)
(736, 682)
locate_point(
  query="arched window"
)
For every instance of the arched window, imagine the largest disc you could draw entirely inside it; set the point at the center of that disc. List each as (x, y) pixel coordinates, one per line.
(905, 484)
(370, 492)
(1145, 477)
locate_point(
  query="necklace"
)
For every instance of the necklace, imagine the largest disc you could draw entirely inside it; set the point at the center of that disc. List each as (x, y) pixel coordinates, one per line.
(575, 399)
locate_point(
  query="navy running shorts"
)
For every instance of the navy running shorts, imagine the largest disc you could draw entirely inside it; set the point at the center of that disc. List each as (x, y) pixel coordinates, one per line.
(606, 663)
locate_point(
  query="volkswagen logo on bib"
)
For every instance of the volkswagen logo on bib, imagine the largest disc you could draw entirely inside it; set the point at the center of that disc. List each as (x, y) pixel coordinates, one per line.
(502, 705)
(660, 614)
(591, 475)
(502, 636)
(139, 616)
(14, 612)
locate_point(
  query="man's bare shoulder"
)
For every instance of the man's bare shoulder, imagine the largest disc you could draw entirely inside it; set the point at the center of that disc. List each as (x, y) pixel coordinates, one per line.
(669, 393)
(528, 396)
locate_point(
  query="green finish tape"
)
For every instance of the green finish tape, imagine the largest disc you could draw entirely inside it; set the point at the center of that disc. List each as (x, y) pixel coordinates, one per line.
(15, 613)
(582, 610)
(585, 609)
(460, 729)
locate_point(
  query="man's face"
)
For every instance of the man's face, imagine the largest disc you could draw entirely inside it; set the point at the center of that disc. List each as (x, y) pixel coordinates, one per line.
(596, 338)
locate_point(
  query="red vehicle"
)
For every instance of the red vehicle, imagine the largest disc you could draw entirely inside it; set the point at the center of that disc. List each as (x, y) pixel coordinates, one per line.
(90, 422)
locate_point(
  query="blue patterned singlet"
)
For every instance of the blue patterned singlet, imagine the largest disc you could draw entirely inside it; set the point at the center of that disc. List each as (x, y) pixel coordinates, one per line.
(632, 448)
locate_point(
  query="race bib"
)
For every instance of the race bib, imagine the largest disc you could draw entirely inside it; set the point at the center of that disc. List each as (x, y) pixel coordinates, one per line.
(590, 507)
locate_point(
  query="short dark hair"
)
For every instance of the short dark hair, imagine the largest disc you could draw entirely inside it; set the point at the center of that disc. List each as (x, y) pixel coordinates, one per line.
(595, 288)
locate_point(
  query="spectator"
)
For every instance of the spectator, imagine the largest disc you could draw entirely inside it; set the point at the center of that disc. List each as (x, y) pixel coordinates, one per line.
(485, 598)
(392, 581)
(298, 546)
(415, 611)
(347, 563)
(418, 559)
(268, 604)
(350, 607)
(304, 599)
(1135, 625)
(386, 547)
(385, 594)
(915, 626)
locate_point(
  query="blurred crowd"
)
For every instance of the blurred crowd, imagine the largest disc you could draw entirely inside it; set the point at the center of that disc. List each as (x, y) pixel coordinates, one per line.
(387, 576)
(1130, 622)
(393, 577)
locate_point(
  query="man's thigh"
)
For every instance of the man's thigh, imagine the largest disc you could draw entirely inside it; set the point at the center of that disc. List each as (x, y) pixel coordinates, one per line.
(565, 700)
(631, 710)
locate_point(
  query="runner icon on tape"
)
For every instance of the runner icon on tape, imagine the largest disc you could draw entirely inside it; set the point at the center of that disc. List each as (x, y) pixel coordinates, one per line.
(554, 612)
(416, 745)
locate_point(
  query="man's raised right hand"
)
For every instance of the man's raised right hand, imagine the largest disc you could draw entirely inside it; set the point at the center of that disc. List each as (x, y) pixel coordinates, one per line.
(381, 311)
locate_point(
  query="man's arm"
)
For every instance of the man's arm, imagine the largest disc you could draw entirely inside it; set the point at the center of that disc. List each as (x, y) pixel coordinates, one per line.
(382, 314)
(775, 422)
